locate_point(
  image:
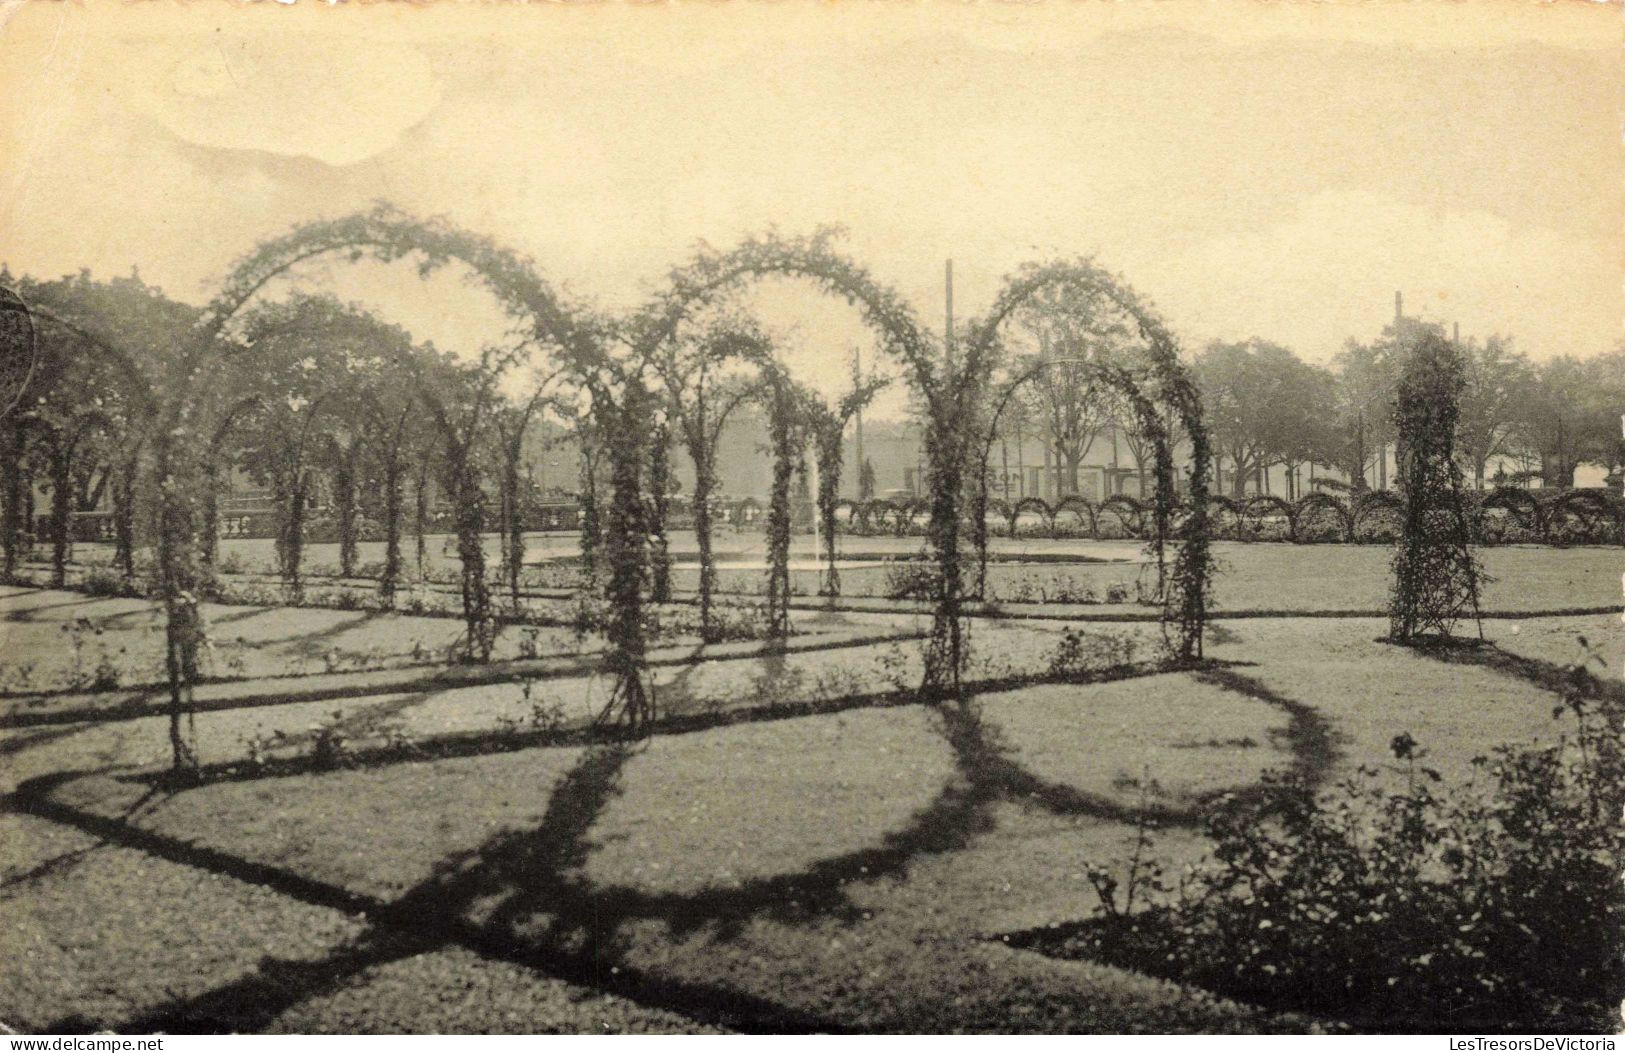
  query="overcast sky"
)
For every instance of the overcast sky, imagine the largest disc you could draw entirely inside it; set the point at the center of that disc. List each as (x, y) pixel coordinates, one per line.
(1274, 171)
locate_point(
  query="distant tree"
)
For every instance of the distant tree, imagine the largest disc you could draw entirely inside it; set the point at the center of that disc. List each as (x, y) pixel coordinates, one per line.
(1366, 377)
(1261, 401)
(866, 480)
(1498, 382)
(1069, 332)
(1564, 422)
(1607, 401)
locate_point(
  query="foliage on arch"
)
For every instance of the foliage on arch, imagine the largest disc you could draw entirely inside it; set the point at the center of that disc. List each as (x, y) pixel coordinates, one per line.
(1374, 508)
(1085, 510)
(949, 396)
(80, 371)
(1307, 506)
(1520, 505)
(1255, 512)
(1584, 516)
(383, 234)
(1163, 380)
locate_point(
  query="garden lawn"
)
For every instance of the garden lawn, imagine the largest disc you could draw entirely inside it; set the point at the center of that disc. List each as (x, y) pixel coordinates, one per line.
(94, 934)
(809, 872)
(845, 871)
(1257, 576)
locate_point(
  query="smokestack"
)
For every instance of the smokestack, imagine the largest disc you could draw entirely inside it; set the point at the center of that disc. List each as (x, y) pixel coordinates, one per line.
(1399, 306)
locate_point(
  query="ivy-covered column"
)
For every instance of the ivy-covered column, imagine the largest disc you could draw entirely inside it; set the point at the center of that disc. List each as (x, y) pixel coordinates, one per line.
(12, 445)
(946, 652)
(625, 432)
(659, 507)
(785, 442)
(175, 528)
(61, 507)
(420, 519)
(1436, 570)
(344, 502)
(592, 530)
(389, 581)
(469, 500)
(209, 527)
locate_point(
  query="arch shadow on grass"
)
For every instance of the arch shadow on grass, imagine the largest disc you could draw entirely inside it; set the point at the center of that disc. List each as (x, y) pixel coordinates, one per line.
(521, 897)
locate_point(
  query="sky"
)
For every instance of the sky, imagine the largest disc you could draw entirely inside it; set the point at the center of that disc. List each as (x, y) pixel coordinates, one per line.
(1270, 170)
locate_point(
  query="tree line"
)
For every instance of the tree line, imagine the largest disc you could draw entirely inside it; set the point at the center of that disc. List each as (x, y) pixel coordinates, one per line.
(1278, 419)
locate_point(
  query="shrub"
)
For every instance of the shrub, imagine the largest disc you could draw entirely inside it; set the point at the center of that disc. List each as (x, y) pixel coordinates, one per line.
(544, 716)
(1081, 651)
(911, 580)
(104, 581)
(1495, 902)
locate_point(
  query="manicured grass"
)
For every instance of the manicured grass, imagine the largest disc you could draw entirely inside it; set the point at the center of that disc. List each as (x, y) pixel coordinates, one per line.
(840, 871)
(774, 862)
(1251, 576)
(56, 639)
(1172, 736)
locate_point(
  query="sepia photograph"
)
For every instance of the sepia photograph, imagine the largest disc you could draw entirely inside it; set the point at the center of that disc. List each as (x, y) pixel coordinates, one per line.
(864, 517)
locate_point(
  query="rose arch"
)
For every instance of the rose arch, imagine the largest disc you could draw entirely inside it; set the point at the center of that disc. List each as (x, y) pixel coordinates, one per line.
(1158, 380)
(383, 235)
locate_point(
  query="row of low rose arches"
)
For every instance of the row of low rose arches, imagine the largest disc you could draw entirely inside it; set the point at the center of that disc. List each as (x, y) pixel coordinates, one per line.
(1505, 516)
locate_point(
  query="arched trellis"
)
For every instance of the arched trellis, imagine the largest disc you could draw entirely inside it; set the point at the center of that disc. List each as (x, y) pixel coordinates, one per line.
(61, 439)
(1125, 384)
(1088, 514)
(701, 398)
(1597, 514)
(1254, 510)
(1169, 383)
(1373, 503)
(949, 395)
(1310, 503)
(1129, 511)
(134, 390)
(384, 235)
(1517, 503)
(907, 515)
(1032, 504)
